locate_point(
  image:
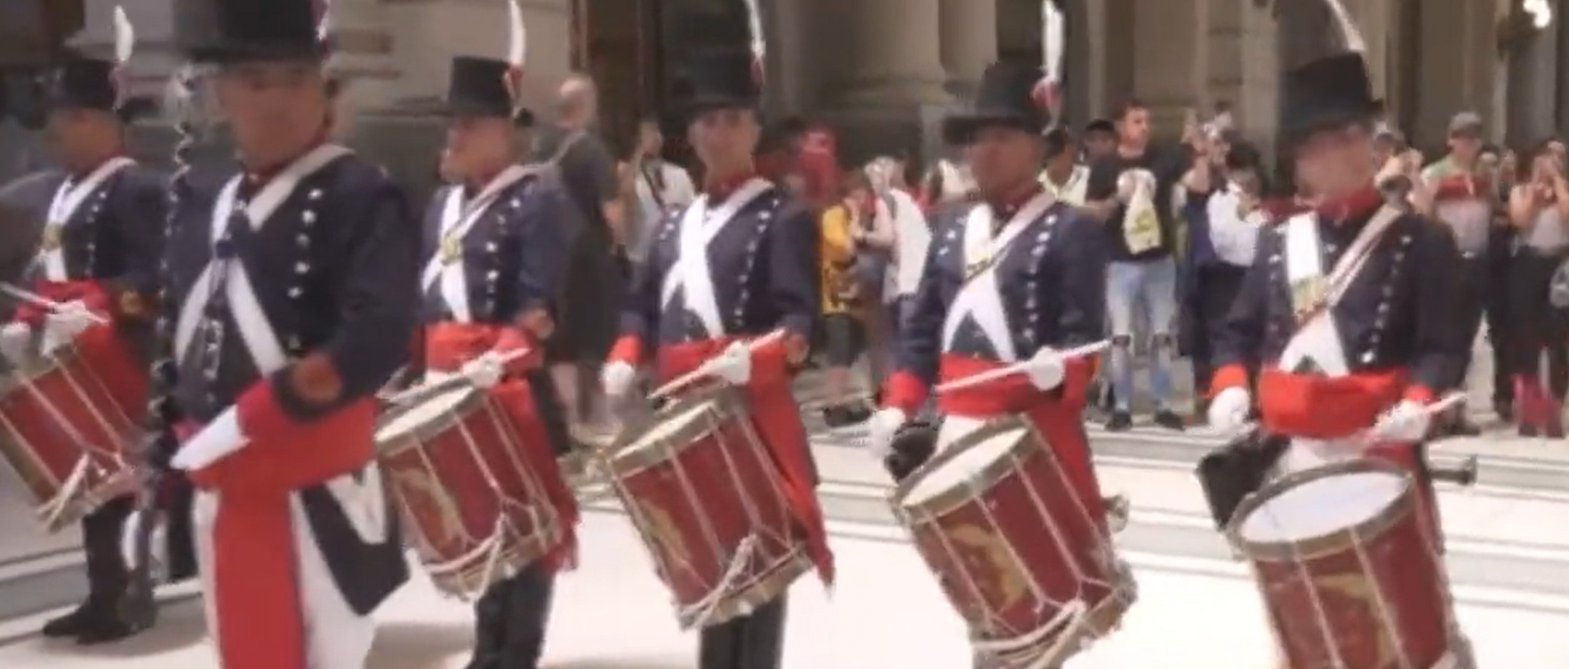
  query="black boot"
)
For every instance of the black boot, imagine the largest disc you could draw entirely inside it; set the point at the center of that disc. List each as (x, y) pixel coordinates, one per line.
(749, 642)
(490, 626)
(99, 620)
(510, 621)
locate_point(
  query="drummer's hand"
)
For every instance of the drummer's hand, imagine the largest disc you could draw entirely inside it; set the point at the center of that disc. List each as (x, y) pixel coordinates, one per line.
(1408, 421)
(1046, 369)
(1228, 411)
(734, 365)
(617, 378)
(881, 430)
(14, 340)
(484, 371)
(68, 320)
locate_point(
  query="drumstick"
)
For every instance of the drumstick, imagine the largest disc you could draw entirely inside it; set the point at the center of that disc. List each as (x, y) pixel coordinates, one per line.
(426, 391)
(707, 368)
(1018, 368)
(1443, 404)
(26, 295)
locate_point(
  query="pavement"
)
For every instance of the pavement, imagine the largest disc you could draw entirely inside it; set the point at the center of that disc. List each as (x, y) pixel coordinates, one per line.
(1508, 563)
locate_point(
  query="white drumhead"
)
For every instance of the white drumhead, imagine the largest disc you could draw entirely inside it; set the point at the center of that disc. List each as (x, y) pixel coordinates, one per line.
(426, 411)
(1321, 506)
(661, 431)
(964, 467)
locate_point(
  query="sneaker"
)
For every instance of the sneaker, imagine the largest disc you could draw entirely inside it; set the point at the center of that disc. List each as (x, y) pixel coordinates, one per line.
(1169, 419)
(1120, 421)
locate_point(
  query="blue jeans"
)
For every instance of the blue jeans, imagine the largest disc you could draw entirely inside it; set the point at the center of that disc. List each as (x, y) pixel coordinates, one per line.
(1142, 293)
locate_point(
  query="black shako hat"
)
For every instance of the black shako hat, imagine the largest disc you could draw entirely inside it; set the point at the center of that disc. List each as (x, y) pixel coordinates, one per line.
(1325, 84)
(1006, 98)
(236, 31)
(82, 83)
(721, 79)
(484, 87)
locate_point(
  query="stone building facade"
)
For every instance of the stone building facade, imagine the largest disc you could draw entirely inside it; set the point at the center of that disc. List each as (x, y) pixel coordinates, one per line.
(884, 71)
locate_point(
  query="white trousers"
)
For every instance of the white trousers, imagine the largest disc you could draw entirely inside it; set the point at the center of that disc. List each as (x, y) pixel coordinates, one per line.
(335, 636)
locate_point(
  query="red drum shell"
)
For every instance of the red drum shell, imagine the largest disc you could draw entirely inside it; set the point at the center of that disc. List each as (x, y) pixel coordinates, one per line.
(455, 472)
(97, 385)
(1353, 573)
(696, 493)
(1023, 531)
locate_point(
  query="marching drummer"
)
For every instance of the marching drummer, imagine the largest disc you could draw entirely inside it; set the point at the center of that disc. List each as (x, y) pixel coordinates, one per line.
(1016, 279)
(102, 242)
(289, 301)
(735, 266)
(489, 281)
(1349, 305)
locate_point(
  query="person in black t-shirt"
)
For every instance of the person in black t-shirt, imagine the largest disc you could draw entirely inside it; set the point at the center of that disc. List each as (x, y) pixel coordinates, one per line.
(1131, 192)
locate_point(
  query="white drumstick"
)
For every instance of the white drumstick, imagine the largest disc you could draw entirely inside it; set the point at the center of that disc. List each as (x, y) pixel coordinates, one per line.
(1019, 367)
(26, 295)
(706, 369)
(433, 388)
(1443, 404)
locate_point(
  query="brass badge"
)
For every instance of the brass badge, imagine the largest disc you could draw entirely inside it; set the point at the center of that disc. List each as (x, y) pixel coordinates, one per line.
(1308, 295)
(52, 237)
(451, 250)
(132, 304)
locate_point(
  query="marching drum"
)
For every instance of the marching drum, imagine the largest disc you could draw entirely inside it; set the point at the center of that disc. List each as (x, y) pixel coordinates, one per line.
(1016, 551)
(1348, 575)
(710, 505)
(64, 419)
(476, 510)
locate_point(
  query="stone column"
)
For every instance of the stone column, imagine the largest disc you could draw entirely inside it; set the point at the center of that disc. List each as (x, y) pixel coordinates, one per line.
(1169, 37)
(1457, 69)
(1534, 88)
(1243, 67)
(888, 87)
(967, 41)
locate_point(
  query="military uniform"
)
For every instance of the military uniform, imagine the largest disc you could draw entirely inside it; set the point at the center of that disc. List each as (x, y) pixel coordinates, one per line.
(494, 255)
(739, 262)
(101, 244)
(289, 300)
(1002, 281)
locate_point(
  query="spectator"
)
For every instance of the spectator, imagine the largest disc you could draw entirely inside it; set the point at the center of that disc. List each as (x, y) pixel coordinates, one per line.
(656, 189)
(1064, 176)
(844, 332)
(1130, 191)
(596, 276)
(1100, 140)
(1539, 212)
(1500, 258)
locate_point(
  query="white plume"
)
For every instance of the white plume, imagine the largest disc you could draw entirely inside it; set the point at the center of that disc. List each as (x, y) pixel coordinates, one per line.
(754, 24)
(517, 45)
(124, 36)
(1348, 27)
(1054, 32)
(324, 22)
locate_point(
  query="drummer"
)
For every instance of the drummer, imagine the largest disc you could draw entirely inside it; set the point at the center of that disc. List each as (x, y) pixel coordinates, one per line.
(737, 264)
(1016, 278)
(102, 243)
(289, 301)
(1378, 353)
(490, 276)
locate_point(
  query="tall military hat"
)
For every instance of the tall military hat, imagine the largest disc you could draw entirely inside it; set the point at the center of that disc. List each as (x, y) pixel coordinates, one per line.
(231, 31)
(1007, 97)
(720, 79)
(1325, 84)
(84, 82)
(491, 86)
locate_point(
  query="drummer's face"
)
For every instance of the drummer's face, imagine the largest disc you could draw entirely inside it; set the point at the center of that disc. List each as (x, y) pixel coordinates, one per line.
(275, 107)
(477, 145)
(724, 136)
(78, 135)
(1001, 157)
(1336, 161)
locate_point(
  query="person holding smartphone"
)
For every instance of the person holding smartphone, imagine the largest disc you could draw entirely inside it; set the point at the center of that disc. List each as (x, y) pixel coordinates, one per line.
(1539, 213)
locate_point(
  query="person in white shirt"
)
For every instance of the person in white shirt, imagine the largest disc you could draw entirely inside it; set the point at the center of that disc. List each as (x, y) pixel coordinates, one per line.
(912, 234)
(657, 188)
(1064, 176)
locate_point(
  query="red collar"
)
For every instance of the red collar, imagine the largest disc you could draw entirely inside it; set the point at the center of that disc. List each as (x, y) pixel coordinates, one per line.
(258, 178)
(719, 190)
(1351, 207)
(1004, 208)
(83, 174)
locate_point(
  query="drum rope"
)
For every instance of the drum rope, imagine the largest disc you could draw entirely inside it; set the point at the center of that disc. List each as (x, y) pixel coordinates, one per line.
(704, 610)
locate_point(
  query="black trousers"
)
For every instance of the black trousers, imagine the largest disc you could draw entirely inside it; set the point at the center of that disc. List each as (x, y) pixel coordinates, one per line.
(107, 574)
(1204, 316)
(1470, 302)
(748, 642)
(1541, 328)
(1501, 326)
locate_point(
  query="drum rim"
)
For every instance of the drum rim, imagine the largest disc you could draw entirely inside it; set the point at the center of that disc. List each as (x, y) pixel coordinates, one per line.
(422, 432)
(620, 460)
(954, 497)
(1329, 543)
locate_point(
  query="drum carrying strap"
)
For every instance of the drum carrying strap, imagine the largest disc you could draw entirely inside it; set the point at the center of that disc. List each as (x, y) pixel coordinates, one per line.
(227, 275)
(691, 274)
(63, 208)
(979, 298)
(1316, 345)
(457, 219)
